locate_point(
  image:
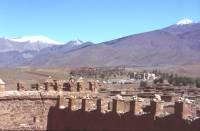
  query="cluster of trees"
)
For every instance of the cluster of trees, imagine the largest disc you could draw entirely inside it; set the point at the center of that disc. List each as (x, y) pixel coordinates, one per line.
(143, 84)
(101, 73)
(176, 80)
(197, 82)
(173, 79)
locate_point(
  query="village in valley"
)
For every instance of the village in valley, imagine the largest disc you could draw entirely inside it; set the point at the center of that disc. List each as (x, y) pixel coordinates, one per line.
(153, 95)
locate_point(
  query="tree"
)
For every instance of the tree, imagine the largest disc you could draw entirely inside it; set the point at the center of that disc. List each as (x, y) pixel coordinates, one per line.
(143, 84)
(102, 76)
(171, 78)
(197, 82)
(185, 81)
(160, 80)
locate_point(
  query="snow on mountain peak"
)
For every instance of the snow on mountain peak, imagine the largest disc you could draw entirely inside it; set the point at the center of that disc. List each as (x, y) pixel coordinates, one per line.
(184, 22)
(33, 39)
(76, 42)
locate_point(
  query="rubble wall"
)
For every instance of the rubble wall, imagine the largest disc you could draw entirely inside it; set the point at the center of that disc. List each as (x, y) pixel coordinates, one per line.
(28, 114)
(18, 112)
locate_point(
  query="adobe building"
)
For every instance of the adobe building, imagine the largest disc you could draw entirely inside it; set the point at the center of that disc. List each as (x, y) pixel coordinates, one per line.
(92, 86)
(2, 85)
(49, 84)
(70, 85)
(20, 86)
(80, 84)
(54, 85)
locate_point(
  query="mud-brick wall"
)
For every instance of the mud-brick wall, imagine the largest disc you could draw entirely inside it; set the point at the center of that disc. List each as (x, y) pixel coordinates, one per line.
(19, 113)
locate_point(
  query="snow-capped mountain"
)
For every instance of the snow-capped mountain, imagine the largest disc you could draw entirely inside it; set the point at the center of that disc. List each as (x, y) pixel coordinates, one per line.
(184, 22)
(183, 26)
(34, 39)
(174, 45)
(23, 49)
(20, 44)
(17, 50)
(59, 51)
(75, 42)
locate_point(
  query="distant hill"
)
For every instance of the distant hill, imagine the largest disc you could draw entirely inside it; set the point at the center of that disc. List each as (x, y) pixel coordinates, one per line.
(21, 50)
(175, 45)
(45, 56)
(178, 44)
(189, 32)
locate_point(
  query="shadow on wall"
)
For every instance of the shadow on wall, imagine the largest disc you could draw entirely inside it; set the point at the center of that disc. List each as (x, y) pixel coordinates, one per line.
(66, 119)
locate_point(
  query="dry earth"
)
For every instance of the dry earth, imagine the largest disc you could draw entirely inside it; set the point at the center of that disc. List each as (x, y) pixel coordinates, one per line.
(28, 75)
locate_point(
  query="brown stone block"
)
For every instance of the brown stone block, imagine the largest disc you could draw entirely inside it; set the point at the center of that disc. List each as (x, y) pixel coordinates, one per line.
(118, 106)
(183, 109)
(73, 104)
(157, 108)
(136, 107)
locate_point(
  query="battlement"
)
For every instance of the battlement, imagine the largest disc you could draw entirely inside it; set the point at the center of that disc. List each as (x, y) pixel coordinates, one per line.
(88, 102)
(183, 109)
(79, 110)
(135, 107)
(119, 114)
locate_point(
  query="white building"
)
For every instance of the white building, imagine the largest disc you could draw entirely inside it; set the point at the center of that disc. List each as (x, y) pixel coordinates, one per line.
(2, 85)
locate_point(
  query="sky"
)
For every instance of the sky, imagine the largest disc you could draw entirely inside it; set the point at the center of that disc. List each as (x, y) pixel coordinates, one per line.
(91, 20)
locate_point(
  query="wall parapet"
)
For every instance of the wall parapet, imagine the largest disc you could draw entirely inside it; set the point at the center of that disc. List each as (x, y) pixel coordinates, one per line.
(95, 114)
(9, 95)
(124, 106)
(62, 110)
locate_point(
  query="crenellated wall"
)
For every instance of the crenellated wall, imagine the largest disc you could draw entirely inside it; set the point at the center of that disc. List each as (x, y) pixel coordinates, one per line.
(27, 109)
(124, 115)
(73, 111)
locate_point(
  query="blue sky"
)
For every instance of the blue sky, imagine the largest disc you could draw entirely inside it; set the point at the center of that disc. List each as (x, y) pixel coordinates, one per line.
(91, 20)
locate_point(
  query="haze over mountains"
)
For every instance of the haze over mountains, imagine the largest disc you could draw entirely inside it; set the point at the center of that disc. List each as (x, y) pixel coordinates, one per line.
(174, 45)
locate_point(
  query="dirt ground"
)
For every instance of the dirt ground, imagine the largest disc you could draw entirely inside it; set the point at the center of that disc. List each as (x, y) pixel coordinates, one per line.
(29, 76)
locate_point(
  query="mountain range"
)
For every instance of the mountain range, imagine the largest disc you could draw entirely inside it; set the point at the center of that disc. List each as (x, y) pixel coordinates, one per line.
(177, 44)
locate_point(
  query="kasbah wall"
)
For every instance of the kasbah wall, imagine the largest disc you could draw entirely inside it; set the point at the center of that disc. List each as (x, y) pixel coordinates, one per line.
(20, 111)
(53, 111)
